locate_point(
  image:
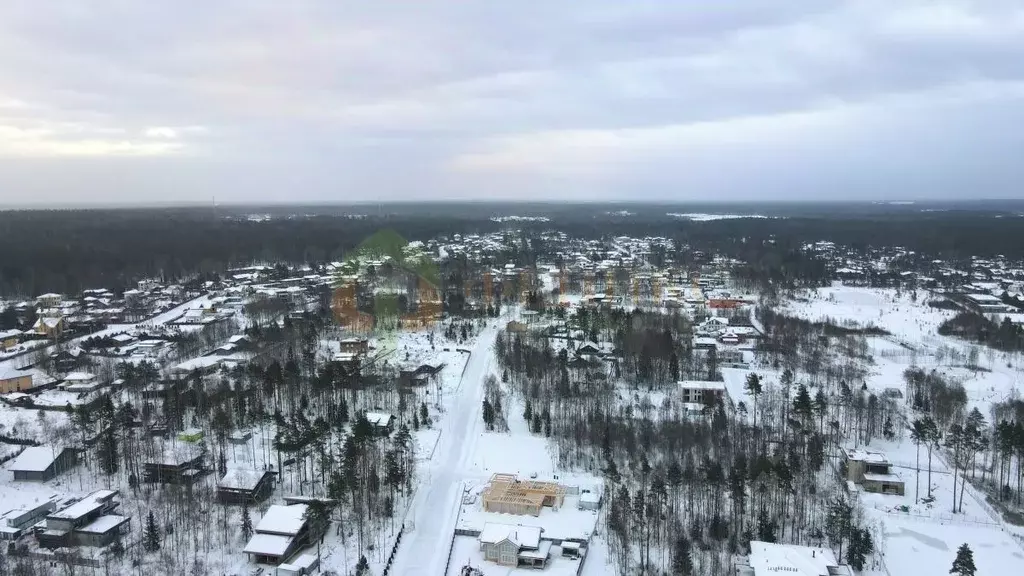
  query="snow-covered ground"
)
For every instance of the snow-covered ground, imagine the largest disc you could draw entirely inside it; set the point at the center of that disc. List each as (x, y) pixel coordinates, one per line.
(920, 538)
(912, 547)
(899, 314)
(465, 457)
(425, 547)
(903, 456)
(914, 340)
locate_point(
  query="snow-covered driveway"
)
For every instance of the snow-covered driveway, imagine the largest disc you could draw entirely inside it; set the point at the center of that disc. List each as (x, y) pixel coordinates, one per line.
(424, 549)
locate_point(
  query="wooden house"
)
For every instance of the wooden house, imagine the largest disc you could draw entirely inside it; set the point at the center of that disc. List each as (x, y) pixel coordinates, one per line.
(506, 494)
(383, 424)
(9, 339)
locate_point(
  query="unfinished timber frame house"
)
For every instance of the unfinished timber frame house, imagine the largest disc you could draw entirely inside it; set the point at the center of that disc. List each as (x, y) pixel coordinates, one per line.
(506, 494)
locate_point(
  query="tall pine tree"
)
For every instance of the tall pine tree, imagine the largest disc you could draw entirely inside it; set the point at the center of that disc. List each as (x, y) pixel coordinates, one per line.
(246, 523)
(488, 415)
(151, 536)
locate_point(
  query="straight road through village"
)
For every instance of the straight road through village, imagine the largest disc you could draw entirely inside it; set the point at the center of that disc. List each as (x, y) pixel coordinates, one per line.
(424, 550)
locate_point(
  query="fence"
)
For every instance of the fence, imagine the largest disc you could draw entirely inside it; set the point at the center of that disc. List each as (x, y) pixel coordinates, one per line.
(583, 559)
(394, 549)
(65, 560)
(451, 545)
(940, 518)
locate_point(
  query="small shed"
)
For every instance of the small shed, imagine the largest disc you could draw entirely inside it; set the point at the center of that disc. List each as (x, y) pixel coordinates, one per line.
(570, 549)
(382, 423)
(589, 500)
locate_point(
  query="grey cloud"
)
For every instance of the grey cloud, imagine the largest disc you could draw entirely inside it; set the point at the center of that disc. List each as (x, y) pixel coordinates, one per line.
(348, 100)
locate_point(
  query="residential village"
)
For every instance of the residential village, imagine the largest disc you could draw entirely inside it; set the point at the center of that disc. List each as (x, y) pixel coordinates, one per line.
(509, 404)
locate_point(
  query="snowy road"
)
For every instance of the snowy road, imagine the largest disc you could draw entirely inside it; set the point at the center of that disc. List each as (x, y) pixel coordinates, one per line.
(424, 550)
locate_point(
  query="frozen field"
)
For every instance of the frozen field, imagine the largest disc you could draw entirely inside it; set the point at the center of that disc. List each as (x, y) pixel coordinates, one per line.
(916, 548)
(905, 319)
(914, 341)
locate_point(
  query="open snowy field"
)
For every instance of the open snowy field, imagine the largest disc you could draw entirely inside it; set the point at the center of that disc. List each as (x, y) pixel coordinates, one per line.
(913, 547)
(900, 315)
(27, 423)
(914, 341)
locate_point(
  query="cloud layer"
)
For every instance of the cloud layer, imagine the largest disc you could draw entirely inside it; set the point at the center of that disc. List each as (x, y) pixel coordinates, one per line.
(336, 101)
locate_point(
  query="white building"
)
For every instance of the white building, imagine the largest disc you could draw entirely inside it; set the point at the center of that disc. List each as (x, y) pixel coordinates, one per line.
(767, 559)
(703, 392)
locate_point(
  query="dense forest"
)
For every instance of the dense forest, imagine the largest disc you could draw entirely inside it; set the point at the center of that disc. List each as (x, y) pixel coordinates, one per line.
(66, 251)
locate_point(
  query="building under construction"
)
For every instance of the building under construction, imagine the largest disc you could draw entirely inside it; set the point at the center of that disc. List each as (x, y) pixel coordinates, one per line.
(506, 494)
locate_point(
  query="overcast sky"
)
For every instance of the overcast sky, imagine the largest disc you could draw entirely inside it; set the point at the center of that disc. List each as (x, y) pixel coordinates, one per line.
(337, 101)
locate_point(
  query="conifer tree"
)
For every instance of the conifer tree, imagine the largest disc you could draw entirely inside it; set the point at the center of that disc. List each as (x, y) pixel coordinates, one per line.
(963, 564)
(753, 387)
(151, 536)
(802, 403)
(246, 523)
(363, 567)
(860, 548)
(682, 562)
(488, 415)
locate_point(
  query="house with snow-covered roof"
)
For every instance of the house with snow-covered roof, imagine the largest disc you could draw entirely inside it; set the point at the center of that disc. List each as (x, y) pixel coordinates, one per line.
(242, 486)
(49, 326)
(871, 470)
(9, 339)
(90, 521)
(15, 523)
(42, 463)
(175, 463)
(49, 300)
(383, 423)
(281, 532)
(769, 559)
(703, 392)
(514, 545)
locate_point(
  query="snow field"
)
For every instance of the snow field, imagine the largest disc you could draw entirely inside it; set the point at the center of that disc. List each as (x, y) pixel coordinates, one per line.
(921, 538)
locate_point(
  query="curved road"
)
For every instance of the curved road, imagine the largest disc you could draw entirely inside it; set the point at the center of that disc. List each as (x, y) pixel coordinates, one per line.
(424, 549)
